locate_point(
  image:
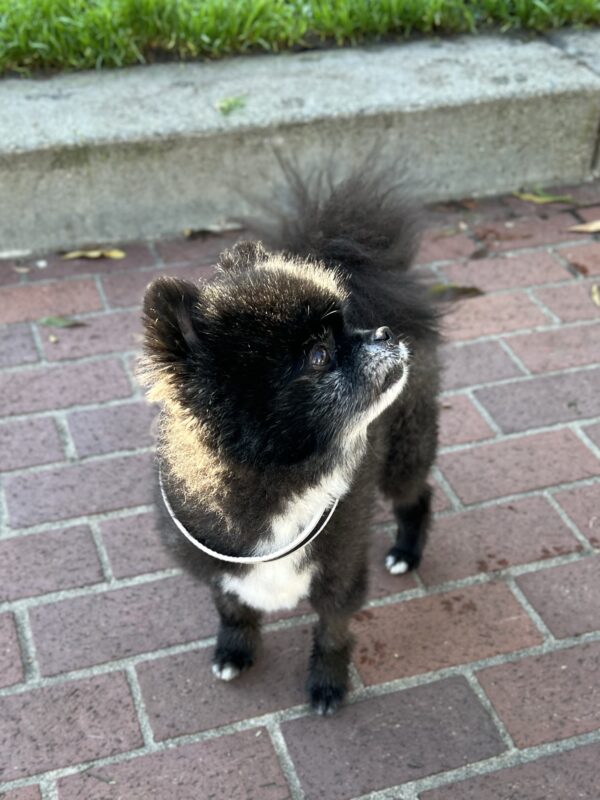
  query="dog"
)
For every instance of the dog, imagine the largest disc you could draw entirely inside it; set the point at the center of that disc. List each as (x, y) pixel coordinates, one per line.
(295, 384)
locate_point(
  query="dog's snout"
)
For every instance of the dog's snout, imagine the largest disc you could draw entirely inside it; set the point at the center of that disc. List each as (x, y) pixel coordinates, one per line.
(384, 335)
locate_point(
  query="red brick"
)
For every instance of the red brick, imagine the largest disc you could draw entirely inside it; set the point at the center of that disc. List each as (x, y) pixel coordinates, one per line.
(511, 272)
(518, 465)
(586, 258)
(77, 633)
(51, 388)
(556, 349)
(127, 289)
(182, 696)
(549, 697)
(26, 302)
(122, 427)
(572, 303)
(134, 546)
(106, 333)
(137, 255)
(581, 504)
(584, 194)
(80, 489)
(431, 633)
(241, 767)
(542, 401)
(525, 208)
(567, 597)
(436, 245)
(60, 726)
(410, 734)
(25, 443)
(17, 345)
(11, 668)
(589, 214)
(27, 793)
(479, 362)
(553, 777)
(487, 539)
(204, 249)
(55, 560)
(492, 314)
(526, 232)
(460, 422)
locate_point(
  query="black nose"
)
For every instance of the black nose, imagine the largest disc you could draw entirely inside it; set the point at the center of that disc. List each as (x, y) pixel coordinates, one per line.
(384, 335)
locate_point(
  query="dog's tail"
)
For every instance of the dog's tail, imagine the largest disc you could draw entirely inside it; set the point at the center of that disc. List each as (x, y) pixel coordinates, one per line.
(361, 220)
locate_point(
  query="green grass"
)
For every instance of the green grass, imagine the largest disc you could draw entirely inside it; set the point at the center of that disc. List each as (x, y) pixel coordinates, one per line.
(83, 34)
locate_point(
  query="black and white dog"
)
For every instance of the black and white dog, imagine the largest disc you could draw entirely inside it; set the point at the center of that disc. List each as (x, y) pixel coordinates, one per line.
(301, 378)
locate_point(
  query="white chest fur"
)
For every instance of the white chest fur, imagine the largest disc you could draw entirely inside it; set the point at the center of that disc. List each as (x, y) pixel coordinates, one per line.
(282, 584)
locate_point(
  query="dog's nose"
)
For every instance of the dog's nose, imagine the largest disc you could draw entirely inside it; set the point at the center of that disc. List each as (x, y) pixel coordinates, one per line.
(384, 335)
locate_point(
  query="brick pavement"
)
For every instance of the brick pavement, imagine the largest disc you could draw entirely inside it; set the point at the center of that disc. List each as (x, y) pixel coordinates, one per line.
(474, 679)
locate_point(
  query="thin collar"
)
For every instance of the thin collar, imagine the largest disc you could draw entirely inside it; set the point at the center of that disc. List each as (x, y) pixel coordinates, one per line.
(308, 535)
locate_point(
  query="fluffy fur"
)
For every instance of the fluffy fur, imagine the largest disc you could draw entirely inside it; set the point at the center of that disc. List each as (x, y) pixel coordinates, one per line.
(281, 391)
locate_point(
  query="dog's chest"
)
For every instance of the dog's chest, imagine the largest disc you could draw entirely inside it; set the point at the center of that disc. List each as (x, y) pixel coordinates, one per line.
(281, 584)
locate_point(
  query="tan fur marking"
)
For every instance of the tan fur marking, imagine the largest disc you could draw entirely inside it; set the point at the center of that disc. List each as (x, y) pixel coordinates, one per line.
(328, 279)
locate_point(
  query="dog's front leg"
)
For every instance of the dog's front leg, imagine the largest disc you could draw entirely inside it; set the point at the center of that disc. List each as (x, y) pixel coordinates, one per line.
(329, 662)
(238, 637)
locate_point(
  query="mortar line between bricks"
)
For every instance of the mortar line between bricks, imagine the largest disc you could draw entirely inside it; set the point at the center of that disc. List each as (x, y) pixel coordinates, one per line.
(487, 704)
(48, 789)
(445, 486)
(542, 306)
(74, 409)
(285, 761)
(100, 289)
(140, 706)
(356, 682)
(80, 461)
(37, 342)
(530, 610)
(485, 414)
(493, 337)
(64, 432)
(294, 712)
(509, 437)
(52, 366)
(84, 519)
(31, 669)
(102, 552)
(583, 437)
(485, 767)
(137, 390)
(514, 357)
(585, 544)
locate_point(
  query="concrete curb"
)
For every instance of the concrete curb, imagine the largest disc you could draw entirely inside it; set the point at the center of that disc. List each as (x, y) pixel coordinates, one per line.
(144, 152)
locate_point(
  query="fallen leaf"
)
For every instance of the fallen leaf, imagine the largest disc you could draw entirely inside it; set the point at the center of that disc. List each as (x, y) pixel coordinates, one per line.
(596, 295)
(61, 322)
(216, 228)
(470, 205)
(228, 104)
(587, 227)
(53, 339)
(452, 291)
(580, 268)
(22, 270)
(541, 198)
(112, 253)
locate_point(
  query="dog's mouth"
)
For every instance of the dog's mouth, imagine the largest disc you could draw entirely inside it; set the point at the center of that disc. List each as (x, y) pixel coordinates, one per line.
(394, 374)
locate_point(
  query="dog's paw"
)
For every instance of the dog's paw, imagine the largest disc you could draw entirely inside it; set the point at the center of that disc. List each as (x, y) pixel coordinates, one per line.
(326, 698)
(225, 671)
(400, 561)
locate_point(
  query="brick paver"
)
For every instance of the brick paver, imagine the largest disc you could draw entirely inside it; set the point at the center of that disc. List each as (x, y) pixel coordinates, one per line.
(485, 660)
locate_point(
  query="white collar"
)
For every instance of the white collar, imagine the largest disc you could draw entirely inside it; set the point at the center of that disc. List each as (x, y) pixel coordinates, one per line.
(303, 539)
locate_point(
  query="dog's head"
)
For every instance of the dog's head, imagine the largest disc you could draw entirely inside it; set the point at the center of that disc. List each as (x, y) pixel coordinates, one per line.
(265, 358)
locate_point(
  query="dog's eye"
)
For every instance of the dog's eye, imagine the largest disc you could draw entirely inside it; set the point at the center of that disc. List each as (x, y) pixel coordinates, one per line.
(319, 356)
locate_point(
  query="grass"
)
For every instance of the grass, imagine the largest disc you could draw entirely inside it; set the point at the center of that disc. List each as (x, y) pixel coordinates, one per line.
(83, 34)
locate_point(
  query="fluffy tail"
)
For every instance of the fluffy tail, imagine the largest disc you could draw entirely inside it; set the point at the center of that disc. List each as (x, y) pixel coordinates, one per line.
(361, 220)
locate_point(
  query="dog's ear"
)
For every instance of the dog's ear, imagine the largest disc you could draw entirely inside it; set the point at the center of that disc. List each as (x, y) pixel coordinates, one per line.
(171, 319)
(242, 256)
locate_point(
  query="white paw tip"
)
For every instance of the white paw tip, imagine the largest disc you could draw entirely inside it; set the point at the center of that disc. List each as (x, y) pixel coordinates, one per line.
(226, 672)
(396, 567)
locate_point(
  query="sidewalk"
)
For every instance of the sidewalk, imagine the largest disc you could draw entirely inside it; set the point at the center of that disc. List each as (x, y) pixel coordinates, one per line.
(473, 677)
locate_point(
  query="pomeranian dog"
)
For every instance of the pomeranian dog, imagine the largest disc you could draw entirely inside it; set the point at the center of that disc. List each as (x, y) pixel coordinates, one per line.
(297, 382)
